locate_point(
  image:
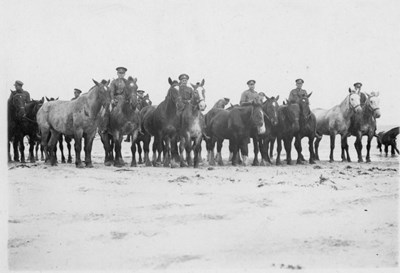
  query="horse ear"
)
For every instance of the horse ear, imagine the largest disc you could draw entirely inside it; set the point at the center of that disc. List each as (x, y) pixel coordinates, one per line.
(277, 98)
(350, 90)
(47, 98)
(202, 83)
(169, 81)
(194, 86)
(309, 95)
(134, 80)
(57, 98)
(95, 82)
(268, 98)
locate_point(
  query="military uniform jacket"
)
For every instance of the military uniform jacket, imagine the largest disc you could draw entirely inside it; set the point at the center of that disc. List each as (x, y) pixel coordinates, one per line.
(23, 93)
(248, 96)
(117, 87)
(296, 95)
(185, 92)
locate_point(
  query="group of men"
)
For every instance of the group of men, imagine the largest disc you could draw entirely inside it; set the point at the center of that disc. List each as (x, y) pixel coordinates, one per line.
(117, 87)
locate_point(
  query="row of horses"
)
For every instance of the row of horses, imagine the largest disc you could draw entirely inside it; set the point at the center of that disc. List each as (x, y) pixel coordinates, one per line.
(178, 126)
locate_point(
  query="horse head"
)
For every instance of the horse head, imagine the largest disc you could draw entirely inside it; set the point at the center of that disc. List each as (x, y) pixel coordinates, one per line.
(304, 104)
(104, 94)
(146, 100)
(18, 103)
(270, 108)
(51, 98)
(257, 117)
(173, 96)
(131, 92)
(199, 97)
(372, 103)
(354, 101)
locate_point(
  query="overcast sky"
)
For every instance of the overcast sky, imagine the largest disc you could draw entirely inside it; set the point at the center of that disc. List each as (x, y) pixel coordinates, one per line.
(55, 46)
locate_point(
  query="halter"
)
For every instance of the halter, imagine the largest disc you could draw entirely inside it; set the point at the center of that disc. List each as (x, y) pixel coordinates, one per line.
(353, 107)
(370, 107)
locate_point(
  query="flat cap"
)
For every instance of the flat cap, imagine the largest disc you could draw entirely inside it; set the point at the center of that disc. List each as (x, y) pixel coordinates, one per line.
(251, 82)
(299, 81)
(121, 69)
(140, 91)
(77, 90)
(183, 76)
(227, 99)
(19, 83)
(358, 84)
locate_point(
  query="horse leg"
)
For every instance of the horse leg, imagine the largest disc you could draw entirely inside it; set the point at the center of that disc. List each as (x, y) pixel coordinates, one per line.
(219, 148)
(333, 136)
(188, 149)
(15, 148)
(52, 143)
(288, 148)
(174, 152)
(139, 149)
(244, 149)
(316, 146)
(146, 148)
(297, 145)
(256, 151)
(60, 144)
(22, 149)
(182, 147)
(118, 162)
(197, 151)
(311, 148)
(278, 151)
(266, 145)
(167, 151)
(37, 151)
(345, 147)
(368, 159)
(88, 150)
(105, 139)
(358, 146)
(78, 149)
(386, 149)
(133, 147)
(68, 140)
(31, 149)
(271, 151)
(210, 148)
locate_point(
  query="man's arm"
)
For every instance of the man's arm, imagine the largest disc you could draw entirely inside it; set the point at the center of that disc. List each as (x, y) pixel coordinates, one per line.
(292, 97)
(243, 99)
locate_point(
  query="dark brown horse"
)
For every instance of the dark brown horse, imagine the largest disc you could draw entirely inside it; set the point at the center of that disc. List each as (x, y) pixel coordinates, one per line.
(337, 120)
(364, 123)
(388, 139)
(163, 124)
(16, 112)
(270, 108)
(142, 138)
(236, 126)
(123, 120)
(308, 126)
(288, 126)
(78, 118)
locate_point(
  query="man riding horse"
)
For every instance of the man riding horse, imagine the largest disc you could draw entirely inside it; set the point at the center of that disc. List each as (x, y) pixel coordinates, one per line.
(298, 93)
(249, 95)
(19, 91)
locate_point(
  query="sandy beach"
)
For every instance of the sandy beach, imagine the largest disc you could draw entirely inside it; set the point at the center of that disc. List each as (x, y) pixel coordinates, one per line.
(328, 215)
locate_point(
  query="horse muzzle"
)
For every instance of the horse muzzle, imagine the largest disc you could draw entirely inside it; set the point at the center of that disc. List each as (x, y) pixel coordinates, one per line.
(202, 105)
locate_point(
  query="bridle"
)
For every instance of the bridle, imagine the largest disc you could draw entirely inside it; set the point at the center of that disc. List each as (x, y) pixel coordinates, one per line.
(353, 107)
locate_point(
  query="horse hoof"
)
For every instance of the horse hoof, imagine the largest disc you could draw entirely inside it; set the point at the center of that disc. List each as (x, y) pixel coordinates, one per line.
(63, 161)
(89, 165)
(289, 162)
(118, 164)
(331, 161)
(80, 165)
(312, 162)
(183, 164)
(300, 162)
(148, 164)
(256, 163)
(32, 160)
(368, 160)
(69, 161)
(140, 162)
(133, 164)
(108, 163)
(174, 165)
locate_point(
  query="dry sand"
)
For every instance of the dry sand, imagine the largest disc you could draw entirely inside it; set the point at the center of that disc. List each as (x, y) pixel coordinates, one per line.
(329, 215)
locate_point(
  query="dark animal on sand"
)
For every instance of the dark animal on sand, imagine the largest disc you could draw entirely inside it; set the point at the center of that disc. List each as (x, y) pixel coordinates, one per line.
(123, 120)
(388, 139)
(163, 123)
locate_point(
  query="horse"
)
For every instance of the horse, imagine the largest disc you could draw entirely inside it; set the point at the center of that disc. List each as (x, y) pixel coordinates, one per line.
(335, 121)
(15, 113)
(142, 137)
(236, 126)
(163, 123)
(364, 123)
(191, 126)
(270, 108)
(308, 125)
(123, 120)
(388, 139)
(288, 126)
(78, 118)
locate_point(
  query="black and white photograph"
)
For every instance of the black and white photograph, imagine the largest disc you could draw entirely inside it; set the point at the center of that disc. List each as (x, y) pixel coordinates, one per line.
(200, 136)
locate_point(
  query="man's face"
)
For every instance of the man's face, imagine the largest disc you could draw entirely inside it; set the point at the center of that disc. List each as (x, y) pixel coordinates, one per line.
(184, 82)
(18, 87)
(140, 95)
(251, 86)
(121, 74)
(299, 85)
(76, 94)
